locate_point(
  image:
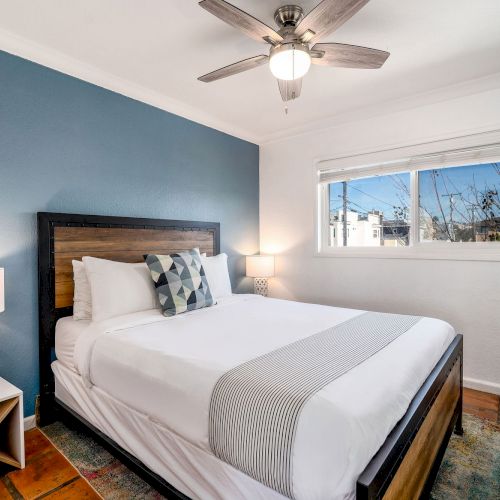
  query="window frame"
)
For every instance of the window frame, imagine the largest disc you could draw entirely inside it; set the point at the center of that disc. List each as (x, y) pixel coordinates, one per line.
(347, 168)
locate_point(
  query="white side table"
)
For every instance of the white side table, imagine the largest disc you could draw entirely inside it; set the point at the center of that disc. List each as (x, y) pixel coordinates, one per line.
(11, 425)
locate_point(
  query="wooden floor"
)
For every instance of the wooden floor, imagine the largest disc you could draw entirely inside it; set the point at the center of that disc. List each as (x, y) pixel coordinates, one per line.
(482, 404)
(49, 475)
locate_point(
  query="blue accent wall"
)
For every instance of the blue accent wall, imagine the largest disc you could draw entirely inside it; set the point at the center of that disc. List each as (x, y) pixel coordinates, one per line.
(69, 146)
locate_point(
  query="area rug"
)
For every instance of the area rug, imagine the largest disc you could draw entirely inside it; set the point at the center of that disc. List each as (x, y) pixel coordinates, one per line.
(470, 468)
(107, 475)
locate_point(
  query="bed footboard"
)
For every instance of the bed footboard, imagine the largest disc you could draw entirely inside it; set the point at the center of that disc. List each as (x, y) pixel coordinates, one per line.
(407, 463)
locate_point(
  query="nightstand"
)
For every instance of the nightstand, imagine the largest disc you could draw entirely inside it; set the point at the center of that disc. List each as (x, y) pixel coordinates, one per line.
(11, 425)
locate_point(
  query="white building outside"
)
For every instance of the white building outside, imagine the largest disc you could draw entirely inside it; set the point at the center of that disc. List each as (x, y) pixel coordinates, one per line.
(364, 231)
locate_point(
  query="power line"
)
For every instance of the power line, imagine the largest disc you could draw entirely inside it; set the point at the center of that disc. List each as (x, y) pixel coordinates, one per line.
(350, 202)
(359, 206)
(374, 197)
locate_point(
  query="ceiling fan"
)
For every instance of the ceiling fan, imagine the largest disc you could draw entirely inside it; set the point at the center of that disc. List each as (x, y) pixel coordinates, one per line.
(294, 45)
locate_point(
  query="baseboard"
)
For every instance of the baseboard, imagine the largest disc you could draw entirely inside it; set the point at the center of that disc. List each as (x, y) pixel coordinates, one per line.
(29, 422)
(482, 385)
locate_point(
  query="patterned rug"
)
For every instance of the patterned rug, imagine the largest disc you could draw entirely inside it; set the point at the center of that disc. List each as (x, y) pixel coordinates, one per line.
(108, 476)
(471, 465)
(470, 468)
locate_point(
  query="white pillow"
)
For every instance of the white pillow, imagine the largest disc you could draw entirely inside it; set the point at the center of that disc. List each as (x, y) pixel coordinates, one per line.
(119, 288)
(217, 275)
(82, 298)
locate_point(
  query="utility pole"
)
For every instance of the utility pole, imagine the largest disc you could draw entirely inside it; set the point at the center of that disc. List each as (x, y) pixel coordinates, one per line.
(450, 196)
(344, 204)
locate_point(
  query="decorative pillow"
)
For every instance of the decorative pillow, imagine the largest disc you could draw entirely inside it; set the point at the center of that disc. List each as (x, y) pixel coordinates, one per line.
(180, 281)
(119, 288)
(217, 275)
(82, 298)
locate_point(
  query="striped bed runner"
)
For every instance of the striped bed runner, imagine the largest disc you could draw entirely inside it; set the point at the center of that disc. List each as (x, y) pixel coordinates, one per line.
(255, 407)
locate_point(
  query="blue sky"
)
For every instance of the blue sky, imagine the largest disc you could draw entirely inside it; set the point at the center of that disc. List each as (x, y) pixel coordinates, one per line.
(382, 193)
(464, 181)
(372, 193)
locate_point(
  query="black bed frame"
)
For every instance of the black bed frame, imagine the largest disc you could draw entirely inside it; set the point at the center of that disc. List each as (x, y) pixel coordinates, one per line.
(372, 483)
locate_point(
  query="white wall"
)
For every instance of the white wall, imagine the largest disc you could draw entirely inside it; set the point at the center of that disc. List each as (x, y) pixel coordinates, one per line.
(464, 293)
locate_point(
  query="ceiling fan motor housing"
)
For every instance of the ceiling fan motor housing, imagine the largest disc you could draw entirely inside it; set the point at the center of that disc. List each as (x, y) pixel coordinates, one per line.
(288, 16)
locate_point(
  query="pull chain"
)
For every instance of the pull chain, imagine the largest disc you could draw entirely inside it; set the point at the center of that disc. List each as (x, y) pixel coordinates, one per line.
(292, 80)
(286, 97)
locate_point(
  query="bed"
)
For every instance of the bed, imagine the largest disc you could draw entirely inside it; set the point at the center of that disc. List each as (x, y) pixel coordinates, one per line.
(149, 405)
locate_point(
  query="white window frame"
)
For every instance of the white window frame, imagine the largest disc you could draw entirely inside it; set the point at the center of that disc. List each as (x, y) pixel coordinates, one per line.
(352, 167)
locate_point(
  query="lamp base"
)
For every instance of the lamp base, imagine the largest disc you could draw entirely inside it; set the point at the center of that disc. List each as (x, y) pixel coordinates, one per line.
(260, 286)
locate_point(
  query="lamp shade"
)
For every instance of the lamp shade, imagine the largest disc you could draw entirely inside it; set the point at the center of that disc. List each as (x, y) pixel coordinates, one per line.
(289, 61)
(2, 298)
(260, 266)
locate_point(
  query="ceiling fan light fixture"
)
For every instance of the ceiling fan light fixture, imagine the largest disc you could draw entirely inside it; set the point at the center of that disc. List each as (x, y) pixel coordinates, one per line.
(289, 61)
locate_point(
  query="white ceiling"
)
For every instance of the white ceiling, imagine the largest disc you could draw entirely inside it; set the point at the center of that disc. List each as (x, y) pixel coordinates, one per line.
(155, 50)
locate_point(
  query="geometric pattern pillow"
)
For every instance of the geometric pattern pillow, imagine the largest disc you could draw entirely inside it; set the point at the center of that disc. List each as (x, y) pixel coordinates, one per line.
(180, 281)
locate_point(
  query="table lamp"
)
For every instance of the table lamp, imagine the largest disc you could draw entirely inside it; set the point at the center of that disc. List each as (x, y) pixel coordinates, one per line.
(260, 267)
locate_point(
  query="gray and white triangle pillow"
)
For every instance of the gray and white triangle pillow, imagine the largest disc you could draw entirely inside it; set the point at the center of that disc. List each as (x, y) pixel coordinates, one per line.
(180, 281)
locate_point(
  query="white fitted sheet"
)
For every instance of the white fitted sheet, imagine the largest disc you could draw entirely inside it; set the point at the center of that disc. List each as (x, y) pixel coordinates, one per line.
(67, 332)
(166, 368)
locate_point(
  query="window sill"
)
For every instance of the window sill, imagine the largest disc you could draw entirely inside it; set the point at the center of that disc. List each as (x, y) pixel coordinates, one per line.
(429, 251)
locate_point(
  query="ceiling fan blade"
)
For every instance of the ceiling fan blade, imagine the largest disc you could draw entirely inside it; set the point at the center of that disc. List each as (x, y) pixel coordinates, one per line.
(326, 17)
(241, 20)
(290, 89)
(349, 56)
(235, 68)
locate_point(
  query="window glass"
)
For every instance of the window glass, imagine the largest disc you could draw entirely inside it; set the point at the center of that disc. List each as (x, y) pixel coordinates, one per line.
(377, 212)
(460, 204)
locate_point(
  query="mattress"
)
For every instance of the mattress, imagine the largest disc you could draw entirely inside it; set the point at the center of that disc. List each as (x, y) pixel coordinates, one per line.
(166, 368)
(67, 333)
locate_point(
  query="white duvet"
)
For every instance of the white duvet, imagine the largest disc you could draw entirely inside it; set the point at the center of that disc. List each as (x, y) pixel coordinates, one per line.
(167, 368)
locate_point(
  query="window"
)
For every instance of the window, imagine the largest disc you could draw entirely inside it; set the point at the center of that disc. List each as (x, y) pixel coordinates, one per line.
(449, 199)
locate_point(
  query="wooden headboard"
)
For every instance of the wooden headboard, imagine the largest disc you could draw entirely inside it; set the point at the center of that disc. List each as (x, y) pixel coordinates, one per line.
(66, 237)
